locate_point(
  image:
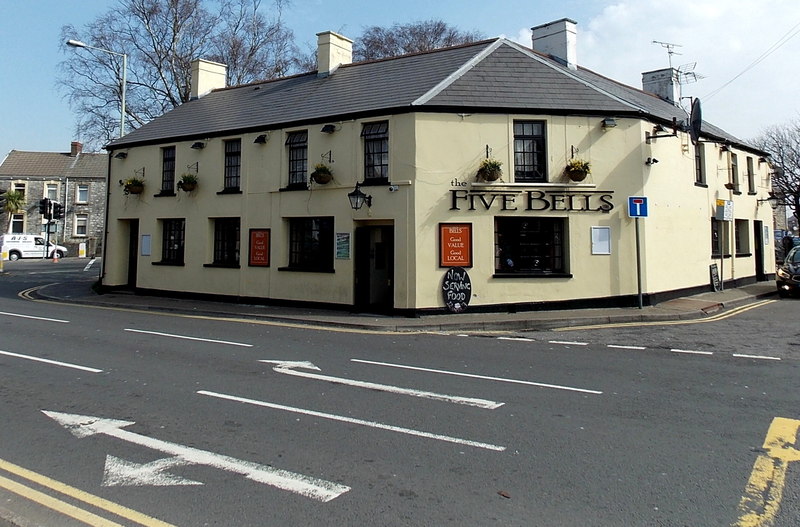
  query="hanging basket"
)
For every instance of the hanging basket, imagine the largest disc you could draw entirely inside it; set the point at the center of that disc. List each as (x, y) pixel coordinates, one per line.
(577, 169)
(134, 188)
(490, 170)
(322, 174)
(577, 175)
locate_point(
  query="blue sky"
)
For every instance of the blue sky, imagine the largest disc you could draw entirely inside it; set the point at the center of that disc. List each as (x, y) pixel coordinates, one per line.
(755, 41)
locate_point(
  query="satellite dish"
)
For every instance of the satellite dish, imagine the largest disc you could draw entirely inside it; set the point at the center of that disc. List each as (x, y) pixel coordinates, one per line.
(695, 122)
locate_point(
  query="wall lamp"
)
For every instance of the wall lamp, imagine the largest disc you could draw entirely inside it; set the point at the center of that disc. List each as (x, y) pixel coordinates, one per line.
(773, 200)
(261, 139)
(328, 129)
(198, 145)
(121, 155)
(609, 122)
(651, 161)
(725, 148)
(358, 198)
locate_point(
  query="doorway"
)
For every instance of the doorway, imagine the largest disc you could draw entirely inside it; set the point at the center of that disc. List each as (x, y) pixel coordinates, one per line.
(133, 252)
(374, 268)
(758, 240)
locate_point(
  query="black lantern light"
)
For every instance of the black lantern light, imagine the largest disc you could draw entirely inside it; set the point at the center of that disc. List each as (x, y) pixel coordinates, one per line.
(358, 198)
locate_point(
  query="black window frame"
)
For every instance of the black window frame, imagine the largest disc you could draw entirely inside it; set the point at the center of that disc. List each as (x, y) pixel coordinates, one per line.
(531, 246)
(530, 151)
(168, 170)
(376, 152)
(227, 242)
(297, 145)
(700, 165)
(232, 176)
(173, 241)
(735, 173)
(311, 244)
(751, 176)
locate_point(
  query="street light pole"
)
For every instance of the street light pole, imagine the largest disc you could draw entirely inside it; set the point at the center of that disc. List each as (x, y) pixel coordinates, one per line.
(79, 44)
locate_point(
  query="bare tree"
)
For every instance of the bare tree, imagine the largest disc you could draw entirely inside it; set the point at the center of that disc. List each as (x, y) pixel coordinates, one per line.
(161, 38)
(379, 42)
(783, 144)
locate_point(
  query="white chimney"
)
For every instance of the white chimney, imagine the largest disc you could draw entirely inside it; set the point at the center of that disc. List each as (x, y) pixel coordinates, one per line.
(663, 83)
(207, 76)
(558, 39)
(333, 50)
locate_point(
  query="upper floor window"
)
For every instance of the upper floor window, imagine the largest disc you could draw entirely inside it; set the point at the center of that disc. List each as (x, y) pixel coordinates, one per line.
(82, 193)
(168, 170)
(297, 143)
(700, 164)
(751, 176)
(51, 191)
(530, 153)
(19, 187)
(233, 164)
(376, 152)
(735, 172)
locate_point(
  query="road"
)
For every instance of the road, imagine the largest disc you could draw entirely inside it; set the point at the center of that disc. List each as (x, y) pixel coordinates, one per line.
(144, 418)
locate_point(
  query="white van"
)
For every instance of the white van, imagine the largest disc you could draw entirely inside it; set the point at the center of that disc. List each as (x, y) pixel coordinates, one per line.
(28, 246)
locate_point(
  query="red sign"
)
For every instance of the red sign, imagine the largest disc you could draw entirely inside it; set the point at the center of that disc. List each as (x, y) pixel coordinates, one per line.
(455, 245)
(259, 247)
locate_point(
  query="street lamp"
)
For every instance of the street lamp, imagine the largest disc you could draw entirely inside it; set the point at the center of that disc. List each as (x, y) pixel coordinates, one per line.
(79, 44)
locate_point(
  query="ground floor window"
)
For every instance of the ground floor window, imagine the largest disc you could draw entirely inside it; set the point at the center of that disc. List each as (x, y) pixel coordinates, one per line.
(81, 225)
(172, 241)
(17, 224)
(742, 237)
(530, 245)
(311, 244)
(226, 242)
(720, 243)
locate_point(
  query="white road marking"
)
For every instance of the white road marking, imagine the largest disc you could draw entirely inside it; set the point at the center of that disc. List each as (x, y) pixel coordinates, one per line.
(621, 347)
(88, 265)
(518, 339)
(184, 337)
(352, 420)
(34, 318)
(318, 489)
(53, 362)
(123, 473)
(764, 357)
(692, 352)
(569, 343)
(484, 377)
(287, 367)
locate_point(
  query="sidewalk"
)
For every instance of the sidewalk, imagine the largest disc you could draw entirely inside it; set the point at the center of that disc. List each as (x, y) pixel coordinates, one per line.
(685, 308)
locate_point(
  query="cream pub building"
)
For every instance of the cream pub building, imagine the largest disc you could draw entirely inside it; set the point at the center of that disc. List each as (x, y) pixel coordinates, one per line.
(361, 184)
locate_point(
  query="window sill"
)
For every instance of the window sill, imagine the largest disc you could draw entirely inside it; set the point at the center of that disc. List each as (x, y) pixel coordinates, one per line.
(303, 270)
(716, 256)
(375, 182)
(174, 264)
(230, 191)
(701, 185)
(223, 265)
(751, 193)
(531, 275)
(293, 187)
(164, 194)
(744, 255)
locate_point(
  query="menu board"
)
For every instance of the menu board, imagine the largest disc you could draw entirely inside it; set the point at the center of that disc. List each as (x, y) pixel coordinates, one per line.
(259, 247)
(455, 245)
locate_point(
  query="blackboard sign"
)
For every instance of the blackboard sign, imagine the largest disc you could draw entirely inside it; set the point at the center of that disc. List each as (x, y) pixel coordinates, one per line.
(456, 289)
(715, 282)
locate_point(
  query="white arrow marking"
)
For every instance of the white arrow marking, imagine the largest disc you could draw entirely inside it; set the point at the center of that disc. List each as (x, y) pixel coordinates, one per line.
(288, 367)
(120, 472)
(318, 489)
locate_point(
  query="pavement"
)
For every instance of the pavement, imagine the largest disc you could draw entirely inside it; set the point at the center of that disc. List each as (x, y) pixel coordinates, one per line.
(684, 308)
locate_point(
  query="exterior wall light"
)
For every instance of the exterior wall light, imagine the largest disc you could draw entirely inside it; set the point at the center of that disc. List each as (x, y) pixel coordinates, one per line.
(261, 139)
(198, 145)
(358, 198)
(651, 161)
(773, 200)
(328, 129)
(609, 122)
(121, 155)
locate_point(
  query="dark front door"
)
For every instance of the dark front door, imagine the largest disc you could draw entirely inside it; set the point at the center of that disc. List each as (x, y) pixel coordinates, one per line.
(374, 268)
(758, 240)
(133, 252)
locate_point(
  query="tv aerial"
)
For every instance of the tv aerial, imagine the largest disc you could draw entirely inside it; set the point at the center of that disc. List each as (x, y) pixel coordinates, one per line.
(670, 49)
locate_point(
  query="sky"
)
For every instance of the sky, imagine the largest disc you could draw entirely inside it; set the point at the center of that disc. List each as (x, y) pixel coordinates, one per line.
(745, 53)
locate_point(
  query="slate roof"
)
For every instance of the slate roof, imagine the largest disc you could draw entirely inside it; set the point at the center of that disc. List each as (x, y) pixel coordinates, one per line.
(491, 75)
(20, 164)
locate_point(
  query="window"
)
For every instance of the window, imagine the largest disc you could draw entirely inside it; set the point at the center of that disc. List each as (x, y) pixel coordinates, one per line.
(82, 193)
(233, 164)
(719, 238)
(751, 176)
(376, 152)
(529, 151)
(735, 172)
(742, 237)
(529, 245)
(226, 242)
(311, 244)
(19, 187)
(51, 191)
(172, 241)
(81, 225)
(297, 142)
(700, 164)
(168, 170)
(17, 224)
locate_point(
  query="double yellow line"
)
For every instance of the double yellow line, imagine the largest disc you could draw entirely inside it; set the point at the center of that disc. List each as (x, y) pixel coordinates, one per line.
(68, 509)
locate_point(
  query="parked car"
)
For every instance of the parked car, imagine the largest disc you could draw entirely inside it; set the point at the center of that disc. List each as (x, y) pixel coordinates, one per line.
(29, 246)
(787, 276)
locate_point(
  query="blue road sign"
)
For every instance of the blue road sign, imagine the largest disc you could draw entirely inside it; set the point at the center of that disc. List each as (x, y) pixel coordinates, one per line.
(637, 207)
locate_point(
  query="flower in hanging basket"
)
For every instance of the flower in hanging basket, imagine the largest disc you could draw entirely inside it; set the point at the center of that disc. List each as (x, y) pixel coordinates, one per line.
(577, 169)
(490, 169)
(322, 174)
(133, 185)
(188, 182)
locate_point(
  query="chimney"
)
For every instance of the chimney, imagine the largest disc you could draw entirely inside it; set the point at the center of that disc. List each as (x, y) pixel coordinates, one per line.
(207, 76)
(559, 40)
(333, 50)
(75, 148)
(663, 83)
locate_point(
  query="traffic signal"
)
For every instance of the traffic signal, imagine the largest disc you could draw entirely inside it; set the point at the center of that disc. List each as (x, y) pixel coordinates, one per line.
(58, 210)
(44, 206)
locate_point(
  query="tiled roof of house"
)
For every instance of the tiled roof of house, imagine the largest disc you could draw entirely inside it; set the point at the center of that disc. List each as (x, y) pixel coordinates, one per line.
(491, 75)
(20, 164)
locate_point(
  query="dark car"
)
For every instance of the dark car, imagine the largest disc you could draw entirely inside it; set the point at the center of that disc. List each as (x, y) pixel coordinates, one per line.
(788, 274)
